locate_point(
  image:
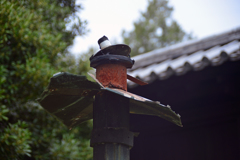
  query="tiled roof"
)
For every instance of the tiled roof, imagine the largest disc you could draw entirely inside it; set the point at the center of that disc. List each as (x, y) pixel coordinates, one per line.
(181, 58)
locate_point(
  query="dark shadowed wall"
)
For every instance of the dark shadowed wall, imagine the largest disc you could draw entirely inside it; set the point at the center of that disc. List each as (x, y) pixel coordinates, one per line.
(209, 104)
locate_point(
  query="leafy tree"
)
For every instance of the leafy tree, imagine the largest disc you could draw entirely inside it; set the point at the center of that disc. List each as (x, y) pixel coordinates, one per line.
(34, 37)
(78, 66)
(154, 29)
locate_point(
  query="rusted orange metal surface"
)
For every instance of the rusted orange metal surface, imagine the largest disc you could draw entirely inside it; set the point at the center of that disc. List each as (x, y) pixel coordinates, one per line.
(135, 80)
(112, 76)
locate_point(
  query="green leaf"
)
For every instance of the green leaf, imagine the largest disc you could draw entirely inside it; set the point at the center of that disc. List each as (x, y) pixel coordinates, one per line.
(34, 42)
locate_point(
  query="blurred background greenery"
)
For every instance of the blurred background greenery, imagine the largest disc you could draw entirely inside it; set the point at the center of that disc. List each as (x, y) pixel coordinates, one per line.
(154, 29)
(34, 37)
(34, 40)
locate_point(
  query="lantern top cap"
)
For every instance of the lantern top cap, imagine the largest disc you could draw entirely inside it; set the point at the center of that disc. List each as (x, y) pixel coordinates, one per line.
(107, 48)
(104, 42)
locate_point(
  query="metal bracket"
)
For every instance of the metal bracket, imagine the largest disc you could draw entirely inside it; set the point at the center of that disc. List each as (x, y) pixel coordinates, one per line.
(112, 135)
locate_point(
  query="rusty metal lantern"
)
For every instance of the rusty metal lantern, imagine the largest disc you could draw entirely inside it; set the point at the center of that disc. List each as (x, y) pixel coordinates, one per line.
(74, 99)
(111, 64)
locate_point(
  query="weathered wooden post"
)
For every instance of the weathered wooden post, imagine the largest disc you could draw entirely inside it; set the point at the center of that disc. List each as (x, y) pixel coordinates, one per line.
(74, 99)
(111, 138)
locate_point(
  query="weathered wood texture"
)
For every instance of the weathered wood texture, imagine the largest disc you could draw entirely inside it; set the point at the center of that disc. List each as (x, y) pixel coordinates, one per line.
(111, 138)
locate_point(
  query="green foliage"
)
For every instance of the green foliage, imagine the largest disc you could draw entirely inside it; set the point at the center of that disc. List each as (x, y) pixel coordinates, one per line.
(80, 66)
(15, 141)
(3, 114)
(70, 145)
(154, 29)
(34, 38)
